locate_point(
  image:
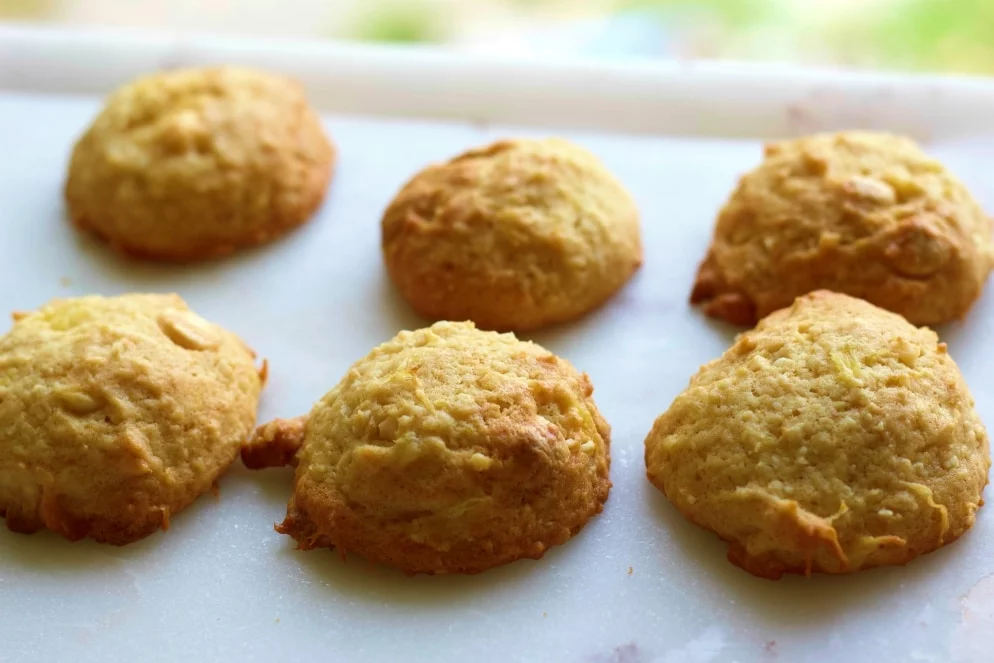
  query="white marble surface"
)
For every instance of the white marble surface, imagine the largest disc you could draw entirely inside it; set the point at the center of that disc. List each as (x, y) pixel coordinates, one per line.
(638, 585)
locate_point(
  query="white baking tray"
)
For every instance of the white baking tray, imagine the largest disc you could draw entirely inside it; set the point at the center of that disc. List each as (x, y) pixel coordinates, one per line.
(639, 584)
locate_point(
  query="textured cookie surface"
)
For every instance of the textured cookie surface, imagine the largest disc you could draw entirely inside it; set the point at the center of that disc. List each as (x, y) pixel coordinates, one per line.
(115, 413)
(445, 450)
(862, 213)
(833, 437)
(514, 236)
(197, 163)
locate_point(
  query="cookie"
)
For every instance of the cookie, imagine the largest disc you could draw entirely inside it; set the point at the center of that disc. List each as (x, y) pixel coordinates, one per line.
(116, 413)
(834, 437)
(514, 236)
(445, 450)
(867, 214)
(198, 163)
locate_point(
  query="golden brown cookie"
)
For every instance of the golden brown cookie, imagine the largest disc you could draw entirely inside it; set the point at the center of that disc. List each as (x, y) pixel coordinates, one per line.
(197, 163)
(116, 413)
(867, 214)
(445, 450)
(514, 236)
(832, 438)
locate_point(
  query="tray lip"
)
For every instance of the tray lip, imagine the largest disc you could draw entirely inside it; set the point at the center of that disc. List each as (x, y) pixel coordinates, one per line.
(701, 98)
(17, 38)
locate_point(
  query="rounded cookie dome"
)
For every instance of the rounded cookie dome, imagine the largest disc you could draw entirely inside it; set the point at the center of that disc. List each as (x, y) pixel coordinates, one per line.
(833, 437)
(197, 163)
(867, 214)
(445, 450)
(117, 413)
(514, 236)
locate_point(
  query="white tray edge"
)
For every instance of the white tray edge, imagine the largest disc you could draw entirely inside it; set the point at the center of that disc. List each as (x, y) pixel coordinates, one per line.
(636, 96)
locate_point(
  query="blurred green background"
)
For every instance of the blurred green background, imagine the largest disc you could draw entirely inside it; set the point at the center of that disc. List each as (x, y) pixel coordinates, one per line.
(929, 35)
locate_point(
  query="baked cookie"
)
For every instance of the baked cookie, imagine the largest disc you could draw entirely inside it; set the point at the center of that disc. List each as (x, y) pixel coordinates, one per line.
(445, 450)
(116, 413)
(832, 438)
(867, 214)
(197, 163)
(514, 236)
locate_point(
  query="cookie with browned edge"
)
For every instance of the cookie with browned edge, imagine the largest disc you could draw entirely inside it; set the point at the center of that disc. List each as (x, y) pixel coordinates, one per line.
(867, 214)
(833, 437)
(197, 163)
(445, 450)
(116, 413)
(514, 236)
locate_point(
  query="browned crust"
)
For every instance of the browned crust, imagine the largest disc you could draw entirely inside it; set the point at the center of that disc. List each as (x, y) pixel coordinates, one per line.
(276, 227)
(771, 568)
(717, 299)
(497, 308)
(275, 444)
(814, 537)
(354, 534)
(116, 532)
(319, 516)
(129, 522)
